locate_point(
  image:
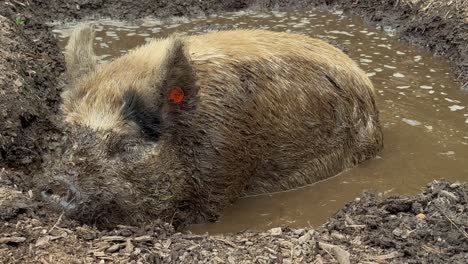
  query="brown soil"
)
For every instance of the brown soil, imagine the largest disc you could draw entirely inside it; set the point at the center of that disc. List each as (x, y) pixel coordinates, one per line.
(372, 230)
(426, 228)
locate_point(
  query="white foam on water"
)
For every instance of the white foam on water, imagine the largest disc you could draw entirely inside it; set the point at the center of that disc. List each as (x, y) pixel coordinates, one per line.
(341, 33)
(425, 87)
(370, 74)
(389, 67)
(398, 75)
(403, 87)
(411, 122)
(387, 46)
(454, 108)
(451, 100)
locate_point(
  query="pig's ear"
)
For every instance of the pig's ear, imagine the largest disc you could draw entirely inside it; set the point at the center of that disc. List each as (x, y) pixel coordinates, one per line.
(79, 53)
(177, 89)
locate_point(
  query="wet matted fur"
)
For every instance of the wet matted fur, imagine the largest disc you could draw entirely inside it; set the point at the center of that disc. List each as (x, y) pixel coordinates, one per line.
(261, 112)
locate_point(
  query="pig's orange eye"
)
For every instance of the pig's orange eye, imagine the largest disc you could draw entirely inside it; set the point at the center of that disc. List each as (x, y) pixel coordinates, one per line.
(176, 95)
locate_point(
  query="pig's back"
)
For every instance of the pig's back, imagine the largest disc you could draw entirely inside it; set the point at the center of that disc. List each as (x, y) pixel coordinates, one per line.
(280, 110)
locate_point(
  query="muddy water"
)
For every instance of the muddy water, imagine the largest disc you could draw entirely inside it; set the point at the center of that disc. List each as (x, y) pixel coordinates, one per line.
(423, 111)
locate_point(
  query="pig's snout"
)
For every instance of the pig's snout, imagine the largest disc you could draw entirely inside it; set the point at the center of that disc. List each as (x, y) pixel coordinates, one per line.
(61, 193)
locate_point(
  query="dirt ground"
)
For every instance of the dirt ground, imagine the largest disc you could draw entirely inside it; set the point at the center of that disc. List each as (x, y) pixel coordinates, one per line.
(426, 228)
(372, 230)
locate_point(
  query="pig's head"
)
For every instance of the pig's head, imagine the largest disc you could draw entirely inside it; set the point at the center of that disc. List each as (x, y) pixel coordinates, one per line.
(126, 123)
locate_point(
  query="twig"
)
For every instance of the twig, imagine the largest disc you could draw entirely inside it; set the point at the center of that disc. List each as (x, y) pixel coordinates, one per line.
(391, 255)
(58, 222)
(229, 243)
(453, 223)
(355, 226)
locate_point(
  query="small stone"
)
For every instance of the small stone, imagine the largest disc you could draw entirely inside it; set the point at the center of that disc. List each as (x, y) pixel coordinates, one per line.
(275, 231)
(397, 232)
(303, 239)
(455, 185)
(18, 83)
(42, 241)
(299, 231)
(338, 236)
(136, 252)
(113, 248)
(286, 244)
(421, 216)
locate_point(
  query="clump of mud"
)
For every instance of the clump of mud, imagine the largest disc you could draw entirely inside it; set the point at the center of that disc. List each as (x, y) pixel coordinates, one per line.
(429, 227)
(30, 63)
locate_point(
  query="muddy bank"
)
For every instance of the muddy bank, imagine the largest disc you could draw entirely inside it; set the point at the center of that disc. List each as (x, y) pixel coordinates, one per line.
(426, 228)
(30, 63)
(440, 26)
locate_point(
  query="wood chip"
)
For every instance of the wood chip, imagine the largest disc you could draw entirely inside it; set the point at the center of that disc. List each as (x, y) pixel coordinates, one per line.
(113, 238)
(391, 255)
(341, 255)
(113, 248)
(5, 240)
(143, 239)
(129, 247)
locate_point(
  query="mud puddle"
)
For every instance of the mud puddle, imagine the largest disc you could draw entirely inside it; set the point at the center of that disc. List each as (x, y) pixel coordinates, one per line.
(423, 111)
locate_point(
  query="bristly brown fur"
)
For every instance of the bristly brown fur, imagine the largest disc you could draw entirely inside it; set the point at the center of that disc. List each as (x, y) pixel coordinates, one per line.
(262, 112)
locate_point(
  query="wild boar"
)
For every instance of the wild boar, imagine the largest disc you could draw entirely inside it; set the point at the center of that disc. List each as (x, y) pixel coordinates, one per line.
(180, 127)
